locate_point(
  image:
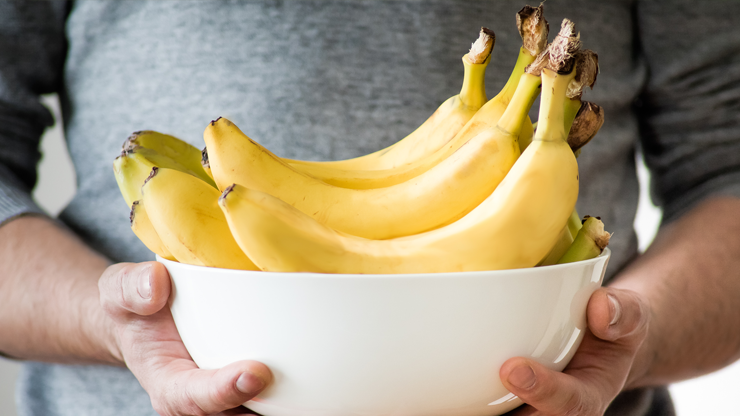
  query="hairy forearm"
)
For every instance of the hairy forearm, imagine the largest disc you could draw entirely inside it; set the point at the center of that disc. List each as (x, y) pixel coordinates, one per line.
(690, 277)
(49, 301)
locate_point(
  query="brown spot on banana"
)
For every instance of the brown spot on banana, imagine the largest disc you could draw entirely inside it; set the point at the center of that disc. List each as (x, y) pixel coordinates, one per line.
(132, 214)
(204, 158)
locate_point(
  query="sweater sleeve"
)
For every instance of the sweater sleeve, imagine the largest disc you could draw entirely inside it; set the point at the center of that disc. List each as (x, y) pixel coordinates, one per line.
(32, 51)
(690, 109)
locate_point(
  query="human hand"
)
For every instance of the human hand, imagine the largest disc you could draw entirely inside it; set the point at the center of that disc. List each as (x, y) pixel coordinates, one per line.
(617, 327)
(135, 297)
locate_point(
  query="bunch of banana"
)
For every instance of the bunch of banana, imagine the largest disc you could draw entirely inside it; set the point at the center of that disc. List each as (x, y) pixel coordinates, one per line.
(180, 219)
(469, 190)
(439, 196)
(514, 227)
(427, 147)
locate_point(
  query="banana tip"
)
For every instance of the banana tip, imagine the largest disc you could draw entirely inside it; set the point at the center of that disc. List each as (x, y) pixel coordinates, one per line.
(227, 191)
(204, 158)
(152, 174)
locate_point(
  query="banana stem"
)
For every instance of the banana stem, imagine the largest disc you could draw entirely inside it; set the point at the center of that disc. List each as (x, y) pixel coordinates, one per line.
(587, 123)
(473, 91)
(572, 106)
(516, 112)
(551, 122)
(509, 89)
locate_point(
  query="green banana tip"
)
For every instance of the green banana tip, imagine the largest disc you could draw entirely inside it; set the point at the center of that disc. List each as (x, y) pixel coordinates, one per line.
(132, 140)
(594, 228)
(586, 217)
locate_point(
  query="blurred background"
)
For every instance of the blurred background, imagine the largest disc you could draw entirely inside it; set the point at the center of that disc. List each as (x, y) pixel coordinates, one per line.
(712, 394)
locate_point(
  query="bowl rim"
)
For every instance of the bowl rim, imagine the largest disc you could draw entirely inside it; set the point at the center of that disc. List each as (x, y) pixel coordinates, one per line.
(276, 275)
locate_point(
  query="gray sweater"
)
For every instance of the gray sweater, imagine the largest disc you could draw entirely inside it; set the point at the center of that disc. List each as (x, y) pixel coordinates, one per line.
(334, 79)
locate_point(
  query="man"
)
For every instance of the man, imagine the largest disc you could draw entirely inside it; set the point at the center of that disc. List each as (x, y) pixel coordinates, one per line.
(329, 80)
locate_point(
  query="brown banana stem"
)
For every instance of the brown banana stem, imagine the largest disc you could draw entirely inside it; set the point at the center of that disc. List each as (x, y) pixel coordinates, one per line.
(563, 49)
(587, 123)
(482, 47)
(587, 68)
(533, 29)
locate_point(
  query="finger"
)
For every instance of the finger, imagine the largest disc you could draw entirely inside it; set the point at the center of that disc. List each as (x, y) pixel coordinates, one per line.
(139, 288)
(618, 315)
(211, 391)
(618, 322)
(550, 392)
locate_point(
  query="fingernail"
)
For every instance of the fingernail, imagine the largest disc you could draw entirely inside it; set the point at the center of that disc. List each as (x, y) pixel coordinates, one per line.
(522, 377)
(145, 282)
(615, 309)
(249, 383)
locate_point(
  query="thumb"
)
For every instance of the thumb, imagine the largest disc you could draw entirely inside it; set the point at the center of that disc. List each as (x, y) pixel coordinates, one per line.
(212, 391)
(138, 288)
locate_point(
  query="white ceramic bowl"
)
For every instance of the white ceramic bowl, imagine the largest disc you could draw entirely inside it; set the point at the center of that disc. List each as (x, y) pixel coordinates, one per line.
(382, 345)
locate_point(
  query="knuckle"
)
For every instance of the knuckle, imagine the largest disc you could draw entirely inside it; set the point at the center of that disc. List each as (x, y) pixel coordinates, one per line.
(113, 286)
(167, 407)
(191, 406)
(222, 398)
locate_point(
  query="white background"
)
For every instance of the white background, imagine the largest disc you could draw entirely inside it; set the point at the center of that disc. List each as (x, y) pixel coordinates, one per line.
(715, 394)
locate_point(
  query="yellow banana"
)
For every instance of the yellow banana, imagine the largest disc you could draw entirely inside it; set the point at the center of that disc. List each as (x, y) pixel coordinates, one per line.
(437, 130)
(534, 34)
(587, 123)
(589, 243)
(185, 214)
(143, 228)
(134, 165)
(437, 197)
(583, 120)
(169, 146)
(513, 228)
